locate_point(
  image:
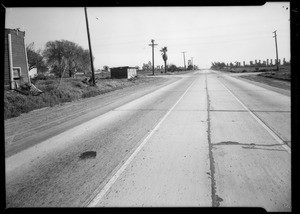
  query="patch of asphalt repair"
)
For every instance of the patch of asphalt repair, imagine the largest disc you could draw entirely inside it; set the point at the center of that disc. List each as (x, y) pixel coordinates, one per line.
(215, 198)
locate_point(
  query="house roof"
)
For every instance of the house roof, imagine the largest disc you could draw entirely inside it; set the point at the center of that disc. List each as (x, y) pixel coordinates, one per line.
(123, 67)
(15, 31)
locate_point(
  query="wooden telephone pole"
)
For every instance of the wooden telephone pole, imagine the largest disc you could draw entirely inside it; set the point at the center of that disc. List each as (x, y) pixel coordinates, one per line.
(152, 44)
(184, 60)
(90, 47)
(275, 36)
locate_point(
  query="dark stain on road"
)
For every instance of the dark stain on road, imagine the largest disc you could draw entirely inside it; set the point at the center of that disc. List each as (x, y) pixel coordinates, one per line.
(88, 155)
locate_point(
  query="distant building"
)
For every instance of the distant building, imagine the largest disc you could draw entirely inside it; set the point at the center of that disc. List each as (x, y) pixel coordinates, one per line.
(15, 59)
(123, 72)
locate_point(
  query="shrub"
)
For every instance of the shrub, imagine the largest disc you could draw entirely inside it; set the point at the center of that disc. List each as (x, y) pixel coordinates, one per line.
(69, 90)
(91, 91)
(15, 104)
(79, 85)
(42, 77)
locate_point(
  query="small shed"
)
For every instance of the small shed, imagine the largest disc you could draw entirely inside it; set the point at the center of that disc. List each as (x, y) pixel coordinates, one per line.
(123, 72)
(15, 59)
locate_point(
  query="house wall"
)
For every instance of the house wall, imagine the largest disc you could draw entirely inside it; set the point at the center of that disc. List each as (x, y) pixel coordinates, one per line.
(118, 73)
(18, 55)
(6, 63)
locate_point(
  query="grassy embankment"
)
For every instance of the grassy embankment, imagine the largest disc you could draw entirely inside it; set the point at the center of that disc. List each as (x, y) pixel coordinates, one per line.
(269, 76)
(284, 72)
(70, 89)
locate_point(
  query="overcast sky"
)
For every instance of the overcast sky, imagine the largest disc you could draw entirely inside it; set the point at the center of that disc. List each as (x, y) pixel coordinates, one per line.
(120, 36)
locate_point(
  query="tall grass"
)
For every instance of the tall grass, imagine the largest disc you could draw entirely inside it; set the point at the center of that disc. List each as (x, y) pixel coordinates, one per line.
(69, 90)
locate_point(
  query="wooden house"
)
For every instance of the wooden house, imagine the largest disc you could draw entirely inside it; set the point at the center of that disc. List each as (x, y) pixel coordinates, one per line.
(15, 59)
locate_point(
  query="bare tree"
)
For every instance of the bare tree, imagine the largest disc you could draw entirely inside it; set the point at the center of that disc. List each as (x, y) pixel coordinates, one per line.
(35, 58)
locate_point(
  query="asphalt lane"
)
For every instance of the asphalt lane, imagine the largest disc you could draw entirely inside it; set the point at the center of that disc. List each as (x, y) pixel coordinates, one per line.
(252, 167)
(173, 167)
(270, 106)
(52, 173)
(205, 140)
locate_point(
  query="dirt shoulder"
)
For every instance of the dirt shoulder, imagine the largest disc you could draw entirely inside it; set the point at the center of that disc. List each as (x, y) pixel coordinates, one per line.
(279, 86)
(29, 129)
(269, 81)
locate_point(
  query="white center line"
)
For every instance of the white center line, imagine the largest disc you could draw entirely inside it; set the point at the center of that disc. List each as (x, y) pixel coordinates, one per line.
(99, 196)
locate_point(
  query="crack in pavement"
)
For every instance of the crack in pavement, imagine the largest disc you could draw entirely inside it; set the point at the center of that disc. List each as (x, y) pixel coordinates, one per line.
(244, 144)
(282, 150)
(215, 198)
(261, 111)
(249, 145)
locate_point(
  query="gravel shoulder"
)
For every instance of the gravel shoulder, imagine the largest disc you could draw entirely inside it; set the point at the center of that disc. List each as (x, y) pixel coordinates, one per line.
(280, 86)
(269, 81)
(29, 129)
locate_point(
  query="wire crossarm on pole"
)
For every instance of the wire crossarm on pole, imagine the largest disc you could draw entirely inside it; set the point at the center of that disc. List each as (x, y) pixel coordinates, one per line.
(152, 44)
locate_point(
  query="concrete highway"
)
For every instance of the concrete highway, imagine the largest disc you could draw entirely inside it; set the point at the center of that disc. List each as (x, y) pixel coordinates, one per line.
(208, 139)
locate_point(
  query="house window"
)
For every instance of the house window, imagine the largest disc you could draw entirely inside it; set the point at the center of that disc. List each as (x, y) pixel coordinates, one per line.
(16, 72)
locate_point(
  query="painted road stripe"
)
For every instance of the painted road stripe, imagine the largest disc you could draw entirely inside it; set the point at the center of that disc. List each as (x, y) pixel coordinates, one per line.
(271, 132)
(98, 198)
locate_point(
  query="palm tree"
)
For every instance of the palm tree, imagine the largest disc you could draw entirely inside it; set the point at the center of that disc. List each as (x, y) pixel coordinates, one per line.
(164, 56)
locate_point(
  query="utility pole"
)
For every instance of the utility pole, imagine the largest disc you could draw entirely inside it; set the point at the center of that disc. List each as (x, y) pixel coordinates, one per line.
(192, 63)
(275, 36)
(184, 60)
(91, 54)
(152, 44)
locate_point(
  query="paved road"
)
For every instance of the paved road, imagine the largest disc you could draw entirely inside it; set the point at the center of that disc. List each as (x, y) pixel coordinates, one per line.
(208, 139)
